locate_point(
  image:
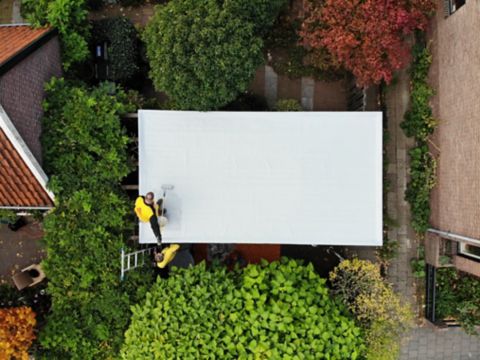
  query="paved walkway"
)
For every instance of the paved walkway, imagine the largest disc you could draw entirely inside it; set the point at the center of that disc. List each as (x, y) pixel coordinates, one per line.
(18, 249)
(448, 344)
(424, 343)
(313, 94)
(399, 272)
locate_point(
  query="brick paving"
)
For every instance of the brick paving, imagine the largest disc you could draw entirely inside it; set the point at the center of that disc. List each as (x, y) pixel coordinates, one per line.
(444, 344)
(18, 249)
(312, 94)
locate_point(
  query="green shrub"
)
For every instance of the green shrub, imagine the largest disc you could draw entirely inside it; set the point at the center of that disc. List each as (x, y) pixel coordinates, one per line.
(420, 124)
(84, 145)
(457, 297)
(422, 180)
(418, 263)
(280, 310)
(8, 216)
(262, 13)
(203, 53)
(69, 17)
(359, 285)
(86, 157)
(288, 105)
(122, 39)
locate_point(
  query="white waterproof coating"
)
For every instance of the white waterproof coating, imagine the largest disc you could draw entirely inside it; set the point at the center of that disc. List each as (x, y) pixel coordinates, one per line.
(264, 177)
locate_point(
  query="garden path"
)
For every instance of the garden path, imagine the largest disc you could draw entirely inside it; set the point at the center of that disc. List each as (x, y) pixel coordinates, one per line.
(312, 94)
(424, 342)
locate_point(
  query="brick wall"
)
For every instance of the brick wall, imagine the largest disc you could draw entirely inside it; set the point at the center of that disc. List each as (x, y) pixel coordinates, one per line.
(22, 92)
(455, 75)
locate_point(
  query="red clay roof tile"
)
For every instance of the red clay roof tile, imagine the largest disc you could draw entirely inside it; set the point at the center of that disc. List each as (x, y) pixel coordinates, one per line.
(13, 39)
(18, 185)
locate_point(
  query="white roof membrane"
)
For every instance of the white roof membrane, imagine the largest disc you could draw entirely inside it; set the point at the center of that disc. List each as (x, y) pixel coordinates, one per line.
(264, 177)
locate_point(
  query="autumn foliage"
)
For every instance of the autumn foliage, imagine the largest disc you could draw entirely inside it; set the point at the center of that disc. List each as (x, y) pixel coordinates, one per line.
(367, 37)
(16, 332)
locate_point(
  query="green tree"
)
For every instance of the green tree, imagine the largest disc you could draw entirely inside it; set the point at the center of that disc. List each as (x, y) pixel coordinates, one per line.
(204, 53)
(280, 310)
(86, 157)
(69, 17)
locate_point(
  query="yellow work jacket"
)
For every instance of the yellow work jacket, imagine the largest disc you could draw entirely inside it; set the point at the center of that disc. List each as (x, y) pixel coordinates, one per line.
(143, 211)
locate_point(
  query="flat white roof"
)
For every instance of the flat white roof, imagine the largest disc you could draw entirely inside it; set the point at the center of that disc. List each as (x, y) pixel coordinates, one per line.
(264, 177)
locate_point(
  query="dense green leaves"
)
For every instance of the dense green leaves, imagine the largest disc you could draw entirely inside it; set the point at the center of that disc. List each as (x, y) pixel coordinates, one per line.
(204, 53)
(69, 17)
(419, 123)
(458, 296)
(84, 145)
(280, 310)
(85, 156)
(121, 36)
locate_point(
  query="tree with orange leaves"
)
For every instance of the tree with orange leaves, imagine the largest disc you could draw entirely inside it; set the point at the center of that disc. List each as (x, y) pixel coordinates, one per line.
(16, 332)
(367, 37)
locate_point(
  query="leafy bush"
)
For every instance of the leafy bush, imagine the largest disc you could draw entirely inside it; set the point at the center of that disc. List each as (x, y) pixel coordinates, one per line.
(419, 123)
(204, 53)
(262, 13)
(418, 264)
(8, 216)
(359, 285)
(86, 157)
(69, 17)
(16, 332)
(288, 105)
(457, 297)
(280, 310)
(122, 39)
(84, 145)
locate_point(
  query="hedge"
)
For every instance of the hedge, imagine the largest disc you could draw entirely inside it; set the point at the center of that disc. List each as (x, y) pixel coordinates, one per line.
(419, 123)
(86, 157)
(280, 310)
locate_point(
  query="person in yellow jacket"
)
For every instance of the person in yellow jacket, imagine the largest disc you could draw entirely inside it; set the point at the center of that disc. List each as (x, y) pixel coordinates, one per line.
(148, 211)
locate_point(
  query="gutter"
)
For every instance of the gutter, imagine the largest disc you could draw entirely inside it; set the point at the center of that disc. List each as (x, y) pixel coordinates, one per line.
(455, 237)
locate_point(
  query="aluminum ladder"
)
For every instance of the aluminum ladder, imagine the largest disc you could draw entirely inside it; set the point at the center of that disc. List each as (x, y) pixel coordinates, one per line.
(133, 260)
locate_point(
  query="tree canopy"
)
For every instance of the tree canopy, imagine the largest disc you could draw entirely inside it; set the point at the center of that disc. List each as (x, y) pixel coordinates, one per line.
(203, 53)
(367, 37)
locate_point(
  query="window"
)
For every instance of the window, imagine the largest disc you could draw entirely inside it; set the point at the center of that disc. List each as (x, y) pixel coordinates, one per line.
(453, 5)
(470, 250)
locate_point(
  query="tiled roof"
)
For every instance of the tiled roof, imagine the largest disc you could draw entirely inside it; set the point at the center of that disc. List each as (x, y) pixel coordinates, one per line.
(18, 185)
(13, 39)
